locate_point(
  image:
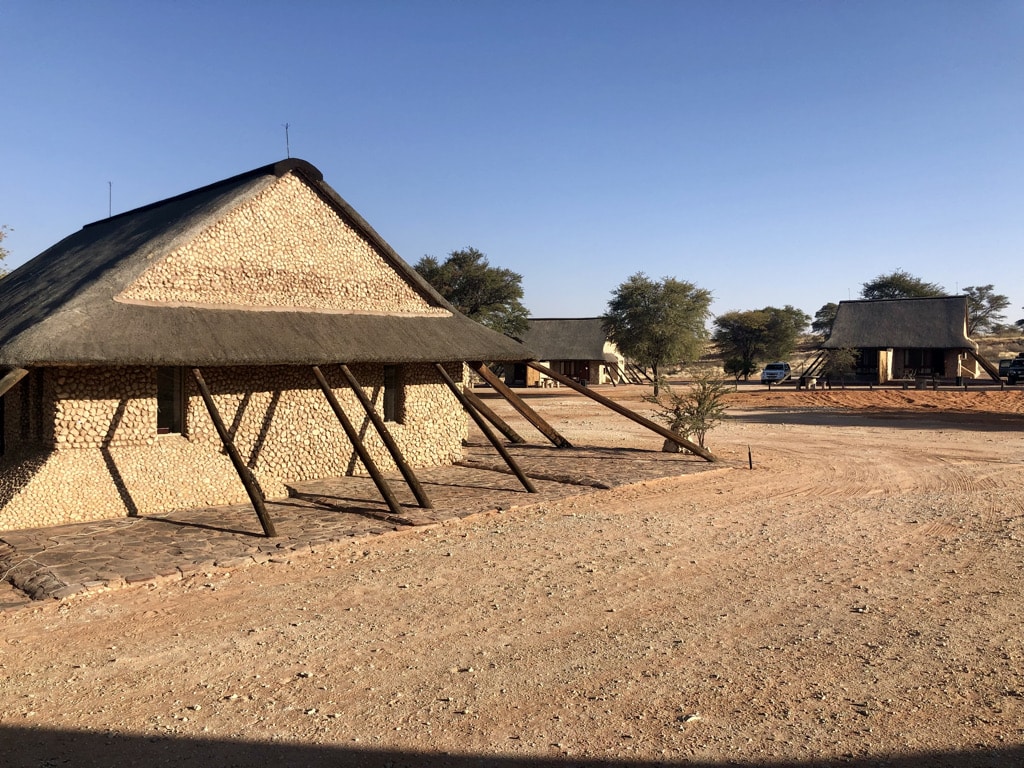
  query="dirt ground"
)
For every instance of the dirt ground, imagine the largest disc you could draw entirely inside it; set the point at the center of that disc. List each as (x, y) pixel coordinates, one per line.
(854, 598)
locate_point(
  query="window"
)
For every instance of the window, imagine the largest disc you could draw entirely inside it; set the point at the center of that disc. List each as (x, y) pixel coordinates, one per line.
(392, 394)
(169, 401)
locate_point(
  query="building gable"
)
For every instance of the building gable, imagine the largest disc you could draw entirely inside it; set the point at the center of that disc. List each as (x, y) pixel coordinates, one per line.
(286, 248)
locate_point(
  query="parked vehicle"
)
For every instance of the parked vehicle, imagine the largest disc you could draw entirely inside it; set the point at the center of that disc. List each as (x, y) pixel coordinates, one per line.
(1004, 366)
(1015, 372)
(773, 373)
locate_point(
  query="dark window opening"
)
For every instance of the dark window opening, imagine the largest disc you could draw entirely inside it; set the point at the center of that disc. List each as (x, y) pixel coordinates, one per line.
(925, 362)
(26, 409)
(392, 394)
(38, 401)
(170, 403)
(31, 412)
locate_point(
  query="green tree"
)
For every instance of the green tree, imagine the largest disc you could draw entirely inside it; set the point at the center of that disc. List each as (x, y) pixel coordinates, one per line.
(658, 323)
(4, 253)
(823, 320)
(797, 317)
(984, 308)
(490, 295)
(900, 285)
(746, 338)
(739, 368)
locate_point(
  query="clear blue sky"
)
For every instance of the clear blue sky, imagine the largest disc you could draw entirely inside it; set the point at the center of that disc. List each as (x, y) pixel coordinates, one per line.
(772, 152)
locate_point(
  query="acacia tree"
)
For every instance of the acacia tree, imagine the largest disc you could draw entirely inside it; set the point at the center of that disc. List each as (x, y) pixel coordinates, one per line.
(490, 295)
(823, 320)
(658, 323)
(900, 285)
(984, 308)
(746, 338)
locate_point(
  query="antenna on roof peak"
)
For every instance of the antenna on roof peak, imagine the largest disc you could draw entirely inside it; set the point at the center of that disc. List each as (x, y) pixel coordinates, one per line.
(287, 145)
(110, 199)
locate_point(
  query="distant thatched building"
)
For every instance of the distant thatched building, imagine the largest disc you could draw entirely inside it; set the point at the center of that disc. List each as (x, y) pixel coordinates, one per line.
(107, 338)
(575, 347)
(905, 338)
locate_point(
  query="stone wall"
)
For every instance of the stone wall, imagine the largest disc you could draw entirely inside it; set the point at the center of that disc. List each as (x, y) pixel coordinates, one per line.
(284, 249)
(96, 454)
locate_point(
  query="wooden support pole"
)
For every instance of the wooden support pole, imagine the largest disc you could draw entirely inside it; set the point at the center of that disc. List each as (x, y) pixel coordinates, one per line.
(501, 425)
(357, 443)
(517, 402)
(248, 481)
(527, 483)
(396, 453)
(653, 426)
(9, 379)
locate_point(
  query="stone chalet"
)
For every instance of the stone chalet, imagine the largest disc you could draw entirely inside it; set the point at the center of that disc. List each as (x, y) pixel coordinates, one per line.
(906, 338)
(574, 347)
(250, 289)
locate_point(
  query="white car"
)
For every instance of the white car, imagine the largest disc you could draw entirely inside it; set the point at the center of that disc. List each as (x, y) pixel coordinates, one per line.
(773, 373)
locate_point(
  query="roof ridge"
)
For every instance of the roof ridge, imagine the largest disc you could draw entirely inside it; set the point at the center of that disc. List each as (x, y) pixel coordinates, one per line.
(278, 169)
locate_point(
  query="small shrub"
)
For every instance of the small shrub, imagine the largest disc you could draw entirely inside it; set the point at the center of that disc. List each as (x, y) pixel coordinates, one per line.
(692, 413)
(838, 364)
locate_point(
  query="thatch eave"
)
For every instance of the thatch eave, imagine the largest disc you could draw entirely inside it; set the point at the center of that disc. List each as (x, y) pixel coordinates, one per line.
(140, 335)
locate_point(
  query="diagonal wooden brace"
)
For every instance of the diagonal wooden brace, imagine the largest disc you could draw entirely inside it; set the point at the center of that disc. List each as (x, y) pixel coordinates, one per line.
(500, 424)
(621, 409)
(520, 405)
(396, 453)
(248, 481)
(357, 443)
(482, 424)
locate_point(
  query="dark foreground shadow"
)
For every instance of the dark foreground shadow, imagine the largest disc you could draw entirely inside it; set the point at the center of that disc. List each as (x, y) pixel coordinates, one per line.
(30, 748)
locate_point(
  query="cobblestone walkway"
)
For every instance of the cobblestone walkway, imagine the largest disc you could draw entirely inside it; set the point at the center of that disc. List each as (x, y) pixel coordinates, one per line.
(64, 560)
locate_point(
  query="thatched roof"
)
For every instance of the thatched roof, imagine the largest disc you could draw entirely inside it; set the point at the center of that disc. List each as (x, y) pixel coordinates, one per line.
(567, 339)
(60, 307)
(939, 323)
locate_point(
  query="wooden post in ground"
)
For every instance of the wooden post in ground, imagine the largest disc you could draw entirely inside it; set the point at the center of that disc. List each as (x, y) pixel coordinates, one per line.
(396, 453)
(248, 481)
(527, 483)
(518, 403)
(357, 443)
(501, 425)
(653, 426)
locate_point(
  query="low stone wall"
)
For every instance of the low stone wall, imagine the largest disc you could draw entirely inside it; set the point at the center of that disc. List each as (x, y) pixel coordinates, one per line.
(98, 455)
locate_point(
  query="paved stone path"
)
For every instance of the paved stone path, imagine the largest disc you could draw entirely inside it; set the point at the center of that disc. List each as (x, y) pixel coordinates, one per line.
(64, 560)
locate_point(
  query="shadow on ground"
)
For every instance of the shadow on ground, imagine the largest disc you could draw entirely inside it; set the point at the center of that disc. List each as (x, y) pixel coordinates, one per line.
(32, 748)
(976, 422)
